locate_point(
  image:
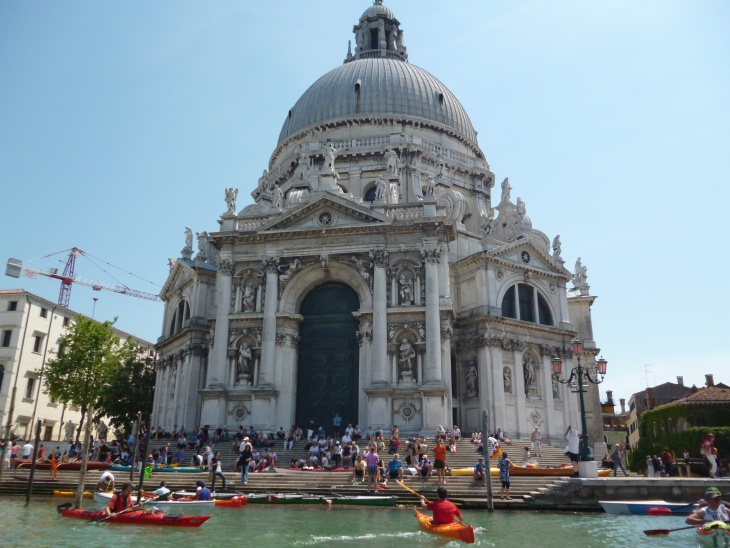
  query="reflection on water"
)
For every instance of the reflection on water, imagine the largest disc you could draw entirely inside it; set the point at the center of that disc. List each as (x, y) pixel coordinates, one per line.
(39, 525)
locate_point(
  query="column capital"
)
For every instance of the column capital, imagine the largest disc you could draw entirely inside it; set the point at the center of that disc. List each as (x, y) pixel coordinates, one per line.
(225, 266)
(379, 257)
(431, 256)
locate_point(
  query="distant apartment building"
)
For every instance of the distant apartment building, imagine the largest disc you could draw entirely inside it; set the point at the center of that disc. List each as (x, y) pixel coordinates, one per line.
(30, 327)
(648, 399)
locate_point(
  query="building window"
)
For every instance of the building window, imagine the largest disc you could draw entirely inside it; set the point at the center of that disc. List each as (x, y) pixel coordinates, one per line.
(37, 342)
(524, 302)
(66, 321)
(44, 312)
(6, 337)
(51, 400)
(12, 306)
(2, 377)
(29, 389)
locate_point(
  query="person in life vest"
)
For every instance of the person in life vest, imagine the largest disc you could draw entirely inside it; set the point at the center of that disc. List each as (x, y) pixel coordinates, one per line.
(715, 510)
(443, 510)
(120, 501)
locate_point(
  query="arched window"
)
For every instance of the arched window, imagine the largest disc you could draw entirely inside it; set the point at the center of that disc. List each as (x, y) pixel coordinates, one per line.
(181, 315)
(524, 302)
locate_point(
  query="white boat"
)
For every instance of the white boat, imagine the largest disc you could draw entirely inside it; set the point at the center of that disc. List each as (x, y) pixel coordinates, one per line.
(184, 507)
(646, 507)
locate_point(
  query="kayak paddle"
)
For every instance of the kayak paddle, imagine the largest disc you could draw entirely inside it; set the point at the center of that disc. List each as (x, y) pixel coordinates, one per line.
(655, 532)
(404, 486)
(135, 507)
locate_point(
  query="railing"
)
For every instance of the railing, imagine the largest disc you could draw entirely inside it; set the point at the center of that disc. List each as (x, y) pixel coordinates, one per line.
(378, 53)
(243, 225)
(404, 213)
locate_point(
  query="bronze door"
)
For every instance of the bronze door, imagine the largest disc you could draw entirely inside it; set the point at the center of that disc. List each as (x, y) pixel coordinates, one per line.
(327, 378)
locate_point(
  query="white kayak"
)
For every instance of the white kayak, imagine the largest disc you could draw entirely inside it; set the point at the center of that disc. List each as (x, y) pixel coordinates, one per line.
(646, 507)
(184, 507)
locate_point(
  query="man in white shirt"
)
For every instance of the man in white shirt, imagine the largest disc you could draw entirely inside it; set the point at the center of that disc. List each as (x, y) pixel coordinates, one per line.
(346, 438)
(573, 448)
(106, 482)
(27, 450)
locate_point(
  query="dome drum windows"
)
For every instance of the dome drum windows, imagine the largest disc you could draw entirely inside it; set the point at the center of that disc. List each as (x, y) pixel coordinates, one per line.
(524, 302)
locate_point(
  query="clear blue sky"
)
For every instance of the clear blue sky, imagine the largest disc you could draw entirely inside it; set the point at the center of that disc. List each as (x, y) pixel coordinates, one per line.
(122, 122)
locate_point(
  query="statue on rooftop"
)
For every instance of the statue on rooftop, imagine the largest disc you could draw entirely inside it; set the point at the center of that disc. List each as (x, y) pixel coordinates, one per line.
(231, 196)
(505, 190)
(556, 247)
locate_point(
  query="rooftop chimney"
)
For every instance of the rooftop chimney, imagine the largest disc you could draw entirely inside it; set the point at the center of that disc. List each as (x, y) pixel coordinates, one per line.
(680, 381)
(709, 381)
(622, 401)
(609, 397)
(649, 399)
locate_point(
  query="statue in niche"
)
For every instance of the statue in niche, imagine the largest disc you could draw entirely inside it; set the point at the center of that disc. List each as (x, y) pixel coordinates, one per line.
(556, 246)
(440, 164)
(556, 385)
(277, 197)
(505, 190)
(68, 431)
(265, 182)
(391, 161)
(330, 153)
(406, 353)
(102, 430)
(507, 376)
(392, 41)
(580, 276)
(471, 381)
(528, 365)
(406, 290)
(303, 167)
(243, 363)
(380, 189)
(231, 196)
(188, 238)
(391, 332)
(394, 193)
(421, 330)
(430, 184)
(248, 302)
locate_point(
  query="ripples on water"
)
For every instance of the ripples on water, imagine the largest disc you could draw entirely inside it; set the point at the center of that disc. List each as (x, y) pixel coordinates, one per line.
(40, 526)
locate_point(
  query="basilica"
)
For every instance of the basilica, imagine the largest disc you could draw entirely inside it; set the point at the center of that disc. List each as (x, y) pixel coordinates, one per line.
(381, 271)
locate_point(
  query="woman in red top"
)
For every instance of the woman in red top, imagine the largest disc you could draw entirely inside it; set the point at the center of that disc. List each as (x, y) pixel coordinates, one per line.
(439, 461)
(443, 510)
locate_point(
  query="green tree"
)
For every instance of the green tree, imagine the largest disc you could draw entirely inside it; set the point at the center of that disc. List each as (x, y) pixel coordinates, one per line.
(131, 389)
(88, 357)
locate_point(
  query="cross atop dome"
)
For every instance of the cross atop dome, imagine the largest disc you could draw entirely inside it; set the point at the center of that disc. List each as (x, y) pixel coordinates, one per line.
(378, 35)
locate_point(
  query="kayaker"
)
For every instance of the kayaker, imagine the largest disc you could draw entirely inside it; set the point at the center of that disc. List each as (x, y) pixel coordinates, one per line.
(504, 466)
(202, 492)
(106, 482)
(162, 493)
(714, 511)
(120, 501)
(480, 473)
(439, 461)
(443, 510)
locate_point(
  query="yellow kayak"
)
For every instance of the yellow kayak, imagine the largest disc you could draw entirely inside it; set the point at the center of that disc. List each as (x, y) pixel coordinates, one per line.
(72, 494)
(458, 531)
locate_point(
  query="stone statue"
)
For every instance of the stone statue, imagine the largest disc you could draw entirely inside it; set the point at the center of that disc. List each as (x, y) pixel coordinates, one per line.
(324, 260)
(264, 182)
(440, 164)
(288, 271)
(556, 247)
(471, 381)
(202, 240)
(248, 302)
(330, 153)
(394, 192)
(392, 40)
(406, 290)
(521, 210)
(528, 365)
(430, 184)
(507, 375)
(243, 365)
(231, 196)
(68, 431)
(391, 161)
(277, 197)
(171, 262)
(556, 385)
(362, 267)
(102, 430)
(505, 190)
(391, 332)
(380, 189)
(303, 167)
(188, 237)
(421, 330)
(405, 356)
(581, 275)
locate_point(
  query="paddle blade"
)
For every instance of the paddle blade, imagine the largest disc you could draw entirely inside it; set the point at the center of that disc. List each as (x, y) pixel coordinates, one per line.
(659, 511)
(467, 534)
(656, 532)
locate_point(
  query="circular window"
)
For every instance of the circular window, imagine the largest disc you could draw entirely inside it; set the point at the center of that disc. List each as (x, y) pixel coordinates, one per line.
(326, 218)
(525, 256)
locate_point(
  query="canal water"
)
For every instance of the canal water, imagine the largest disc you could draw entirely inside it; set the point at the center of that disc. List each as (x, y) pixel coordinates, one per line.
(262, 526)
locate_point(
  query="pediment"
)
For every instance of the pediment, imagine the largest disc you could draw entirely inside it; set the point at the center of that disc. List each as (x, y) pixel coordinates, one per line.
(327, 211)
(526, 253)
(180, 274)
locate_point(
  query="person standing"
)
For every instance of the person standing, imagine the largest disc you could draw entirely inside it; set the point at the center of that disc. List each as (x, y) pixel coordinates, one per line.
(573, 439)
(649, 467)
(216, 470)
(244, 460)
(372, 459)
(537, 441)
(504, 466)
(707, 449)
(336, 424)
(27, 450)
(443, 510)
(439, 461)
(618, 461)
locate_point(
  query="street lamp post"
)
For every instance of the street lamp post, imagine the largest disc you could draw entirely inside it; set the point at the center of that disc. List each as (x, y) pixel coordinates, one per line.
(579, 373)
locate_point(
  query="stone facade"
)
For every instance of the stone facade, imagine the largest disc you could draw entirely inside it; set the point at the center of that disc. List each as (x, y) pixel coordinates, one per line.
(380, 188)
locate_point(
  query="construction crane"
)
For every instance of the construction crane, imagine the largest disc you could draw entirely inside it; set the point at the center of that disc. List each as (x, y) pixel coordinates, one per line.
(15, 267)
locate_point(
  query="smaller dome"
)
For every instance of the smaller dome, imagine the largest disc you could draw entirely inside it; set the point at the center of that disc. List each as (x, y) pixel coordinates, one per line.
(377, 9)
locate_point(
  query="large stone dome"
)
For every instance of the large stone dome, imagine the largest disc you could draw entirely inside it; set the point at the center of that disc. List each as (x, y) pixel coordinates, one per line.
(387, 87)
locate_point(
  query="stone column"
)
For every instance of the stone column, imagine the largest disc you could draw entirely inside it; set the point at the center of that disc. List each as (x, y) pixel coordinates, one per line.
(518, 380)
(482, 293)
(380, 319)
(497, 392)
(218, 363)
(547, 368)
(268, 333)
(432, 373)
(444, 296)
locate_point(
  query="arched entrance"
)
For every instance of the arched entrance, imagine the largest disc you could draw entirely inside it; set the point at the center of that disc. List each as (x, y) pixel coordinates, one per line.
(327, 376)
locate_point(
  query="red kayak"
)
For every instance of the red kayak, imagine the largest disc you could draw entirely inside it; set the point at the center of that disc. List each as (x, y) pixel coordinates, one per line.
(137, 517)
(75, 465)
